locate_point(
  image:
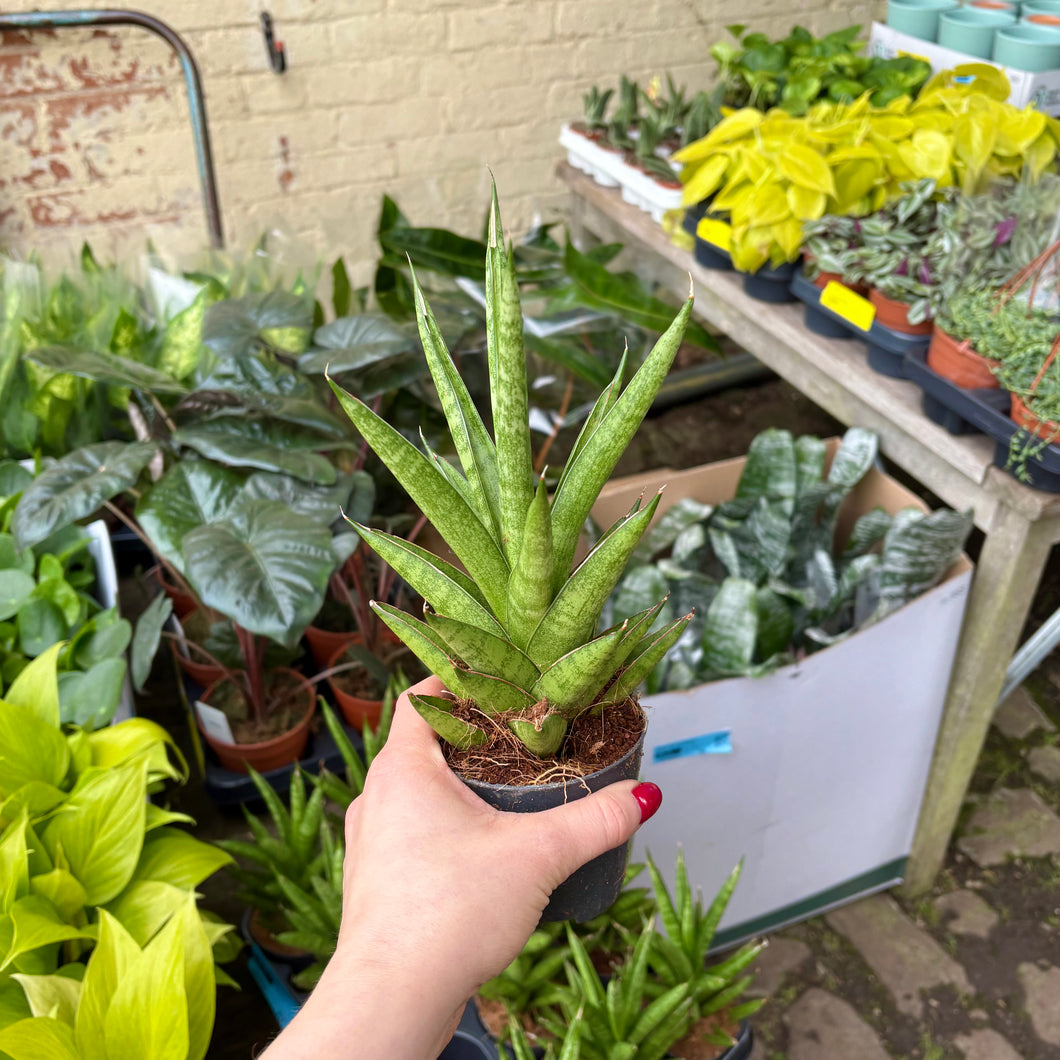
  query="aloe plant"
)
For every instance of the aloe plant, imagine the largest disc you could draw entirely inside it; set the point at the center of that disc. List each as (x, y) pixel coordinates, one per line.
(516, 634)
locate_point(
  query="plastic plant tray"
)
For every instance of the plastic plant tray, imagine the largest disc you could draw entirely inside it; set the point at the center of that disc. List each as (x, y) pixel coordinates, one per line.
(770, 284)
(962, 411)
(887, 348)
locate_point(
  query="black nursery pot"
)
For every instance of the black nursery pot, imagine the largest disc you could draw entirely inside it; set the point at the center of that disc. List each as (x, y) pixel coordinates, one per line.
(771, 284)
(595, 886)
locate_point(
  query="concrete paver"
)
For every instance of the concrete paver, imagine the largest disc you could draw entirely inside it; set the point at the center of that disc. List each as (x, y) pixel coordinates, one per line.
(1011, 823)
(906, 959)
(781, 957)
(822, 1025)
(1019, 716)
(1045, 761)
(1042, 989)
(985, 1044)
(970, 914)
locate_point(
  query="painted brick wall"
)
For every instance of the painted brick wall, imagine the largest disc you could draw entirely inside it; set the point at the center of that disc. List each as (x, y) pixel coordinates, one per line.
(411, 97)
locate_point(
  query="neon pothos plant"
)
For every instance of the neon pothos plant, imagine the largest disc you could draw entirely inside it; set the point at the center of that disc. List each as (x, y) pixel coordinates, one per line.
(516, 635)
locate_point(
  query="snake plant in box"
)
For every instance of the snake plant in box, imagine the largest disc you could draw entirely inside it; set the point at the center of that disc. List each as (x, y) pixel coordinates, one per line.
(516, 635)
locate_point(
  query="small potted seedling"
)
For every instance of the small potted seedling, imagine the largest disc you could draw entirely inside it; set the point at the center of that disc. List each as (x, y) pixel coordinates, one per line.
(541, 707)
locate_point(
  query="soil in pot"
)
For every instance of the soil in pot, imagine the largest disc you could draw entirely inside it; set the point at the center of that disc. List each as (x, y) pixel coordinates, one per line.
(276, 741)
(893, 314)
(494, 1017)
(693, 1047)
(1021, 414)
(591, 744)
(959, 363)
(261, 931)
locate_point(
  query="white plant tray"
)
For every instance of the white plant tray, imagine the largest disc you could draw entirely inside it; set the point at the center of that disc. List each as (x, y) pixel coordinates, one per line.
(610, 170)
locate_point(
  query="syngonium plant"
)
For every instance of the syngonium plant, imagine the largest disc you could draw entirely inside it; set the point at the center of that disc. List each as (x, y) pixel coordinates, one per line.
(516, 634)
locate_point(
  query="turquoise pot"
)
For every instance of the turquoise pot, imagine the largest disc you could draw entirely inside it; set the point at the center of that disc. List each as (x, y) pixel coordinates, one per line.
(1040, 7)
(1028, 46)
(970, 30)
(918, 18)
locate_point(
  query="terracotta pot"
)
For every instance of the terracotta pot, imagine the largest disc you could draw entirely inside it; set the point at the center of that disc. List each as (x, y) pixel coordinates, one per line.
(183, 603)
(267, 941)
(280, 751)
(893, 314)
(325, 643)
(202, 673)
(959, 363)
(1022, 415)
(357, 712)
(1044, 20)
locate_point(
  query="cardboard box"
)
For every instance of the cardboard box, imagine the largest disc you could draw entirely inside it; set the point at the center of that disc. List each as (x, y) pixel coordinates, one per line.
(1041, 89)
(820, 789)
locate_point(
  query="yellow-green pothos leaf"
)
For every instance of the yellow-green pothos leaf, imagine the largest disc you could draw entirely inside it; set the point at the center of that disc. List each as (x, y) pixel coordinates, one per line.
(30, 750)
(38, 1038)
(148, 1014)
(100, 829)
(37, 687)
(111, 963)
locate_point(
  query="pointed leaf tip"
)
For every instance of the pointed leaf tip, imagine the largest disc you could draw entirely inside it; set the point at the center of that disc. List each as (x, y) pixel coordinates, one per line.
(691, 287)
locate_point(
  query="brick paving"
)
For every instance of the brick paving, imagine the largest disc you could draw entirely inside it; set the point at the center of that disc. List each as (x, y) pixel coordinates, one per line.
(970, 972)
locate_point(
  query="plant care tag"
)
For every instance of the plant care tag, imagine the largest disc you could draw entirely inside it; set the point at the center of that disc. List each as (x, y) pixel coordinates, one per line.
(214, 722)
(849, 305)
(716, 233)
(710, 743)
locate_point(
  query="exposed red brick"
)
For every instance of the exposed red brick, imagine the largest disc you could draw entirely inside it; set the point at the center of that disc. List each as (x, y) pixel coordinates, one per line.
(97, 104)
(59, 171)
(24, 74)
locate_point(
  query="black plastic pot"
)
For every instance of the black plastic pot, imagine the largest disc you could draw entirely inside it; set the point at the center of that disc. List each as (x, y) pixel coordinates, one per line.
(962, 411)
(594, 886)
(693, 215)
(770, 284)
(712, 257)
(743, 1045)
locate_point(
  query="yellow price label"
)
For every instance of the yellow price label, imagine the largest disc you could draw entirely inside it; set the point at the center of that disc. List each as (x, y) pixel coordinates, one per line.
(716, 233)
(849, 305)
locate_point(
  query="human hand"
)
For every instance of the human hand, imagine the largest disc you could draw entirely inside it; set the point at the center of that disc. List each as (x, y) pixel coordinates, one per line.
(442, 891)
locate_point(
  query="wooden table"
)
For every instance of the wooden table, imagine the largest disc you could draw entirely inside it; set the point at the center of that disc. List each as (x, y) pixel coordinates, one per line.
(1020, 524)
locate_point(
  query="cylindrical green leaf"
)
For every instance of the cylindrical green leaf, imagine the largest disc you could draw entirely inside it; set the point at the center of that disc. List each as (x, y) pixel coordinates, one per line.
(530, 586)
(572, 615)
(587, 473)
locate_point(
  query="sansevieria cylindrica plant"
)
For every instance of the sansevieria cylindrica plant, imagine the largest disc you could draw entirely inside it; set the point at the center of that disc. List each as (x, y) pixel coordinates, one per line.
(513, 636)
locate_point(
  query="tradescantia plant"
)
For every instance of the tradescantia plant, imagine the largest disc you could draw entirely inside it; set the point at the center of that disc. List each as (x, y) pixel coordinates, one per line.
(516, 635)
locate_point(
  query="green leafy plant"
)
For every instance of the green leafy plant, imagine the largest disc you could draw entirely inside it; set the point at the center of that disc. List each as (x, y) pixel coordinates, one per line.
(796, 71)
(595, 104)
(762, 571)
(773, 172)
(617, 1021)
(516, 635)
(91, 864)
(45, 599)
(293, 878)
(680, 956)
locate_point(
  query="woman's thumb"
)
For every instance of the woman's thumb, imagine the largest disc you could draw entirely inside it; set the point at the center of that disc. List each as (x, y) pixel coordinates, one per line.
(584, 829)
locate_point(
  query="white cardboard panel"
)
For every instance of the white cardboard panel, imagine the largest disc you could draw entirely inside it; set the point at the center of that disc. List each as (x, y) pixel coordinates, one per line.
(829, 757)
(828, 764)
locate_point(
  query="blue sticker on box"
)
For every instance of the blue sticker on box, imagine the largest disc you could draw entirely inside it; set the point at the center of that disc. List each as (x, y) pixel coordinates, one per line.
(710, 743)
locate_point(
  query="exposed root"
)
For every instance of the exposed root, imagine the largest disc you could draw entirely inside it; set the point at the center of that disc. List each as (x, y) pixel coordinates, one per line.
(592, 743)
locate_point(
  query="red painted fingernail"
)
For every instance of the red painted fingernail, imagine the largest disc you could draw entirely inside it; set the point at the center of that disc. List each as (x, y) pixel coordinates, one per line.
(649, 797)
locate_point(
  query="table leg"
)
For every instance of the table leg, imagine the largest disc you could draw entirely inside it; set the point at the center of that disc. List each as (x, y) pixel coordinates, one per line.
(1011, 562)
